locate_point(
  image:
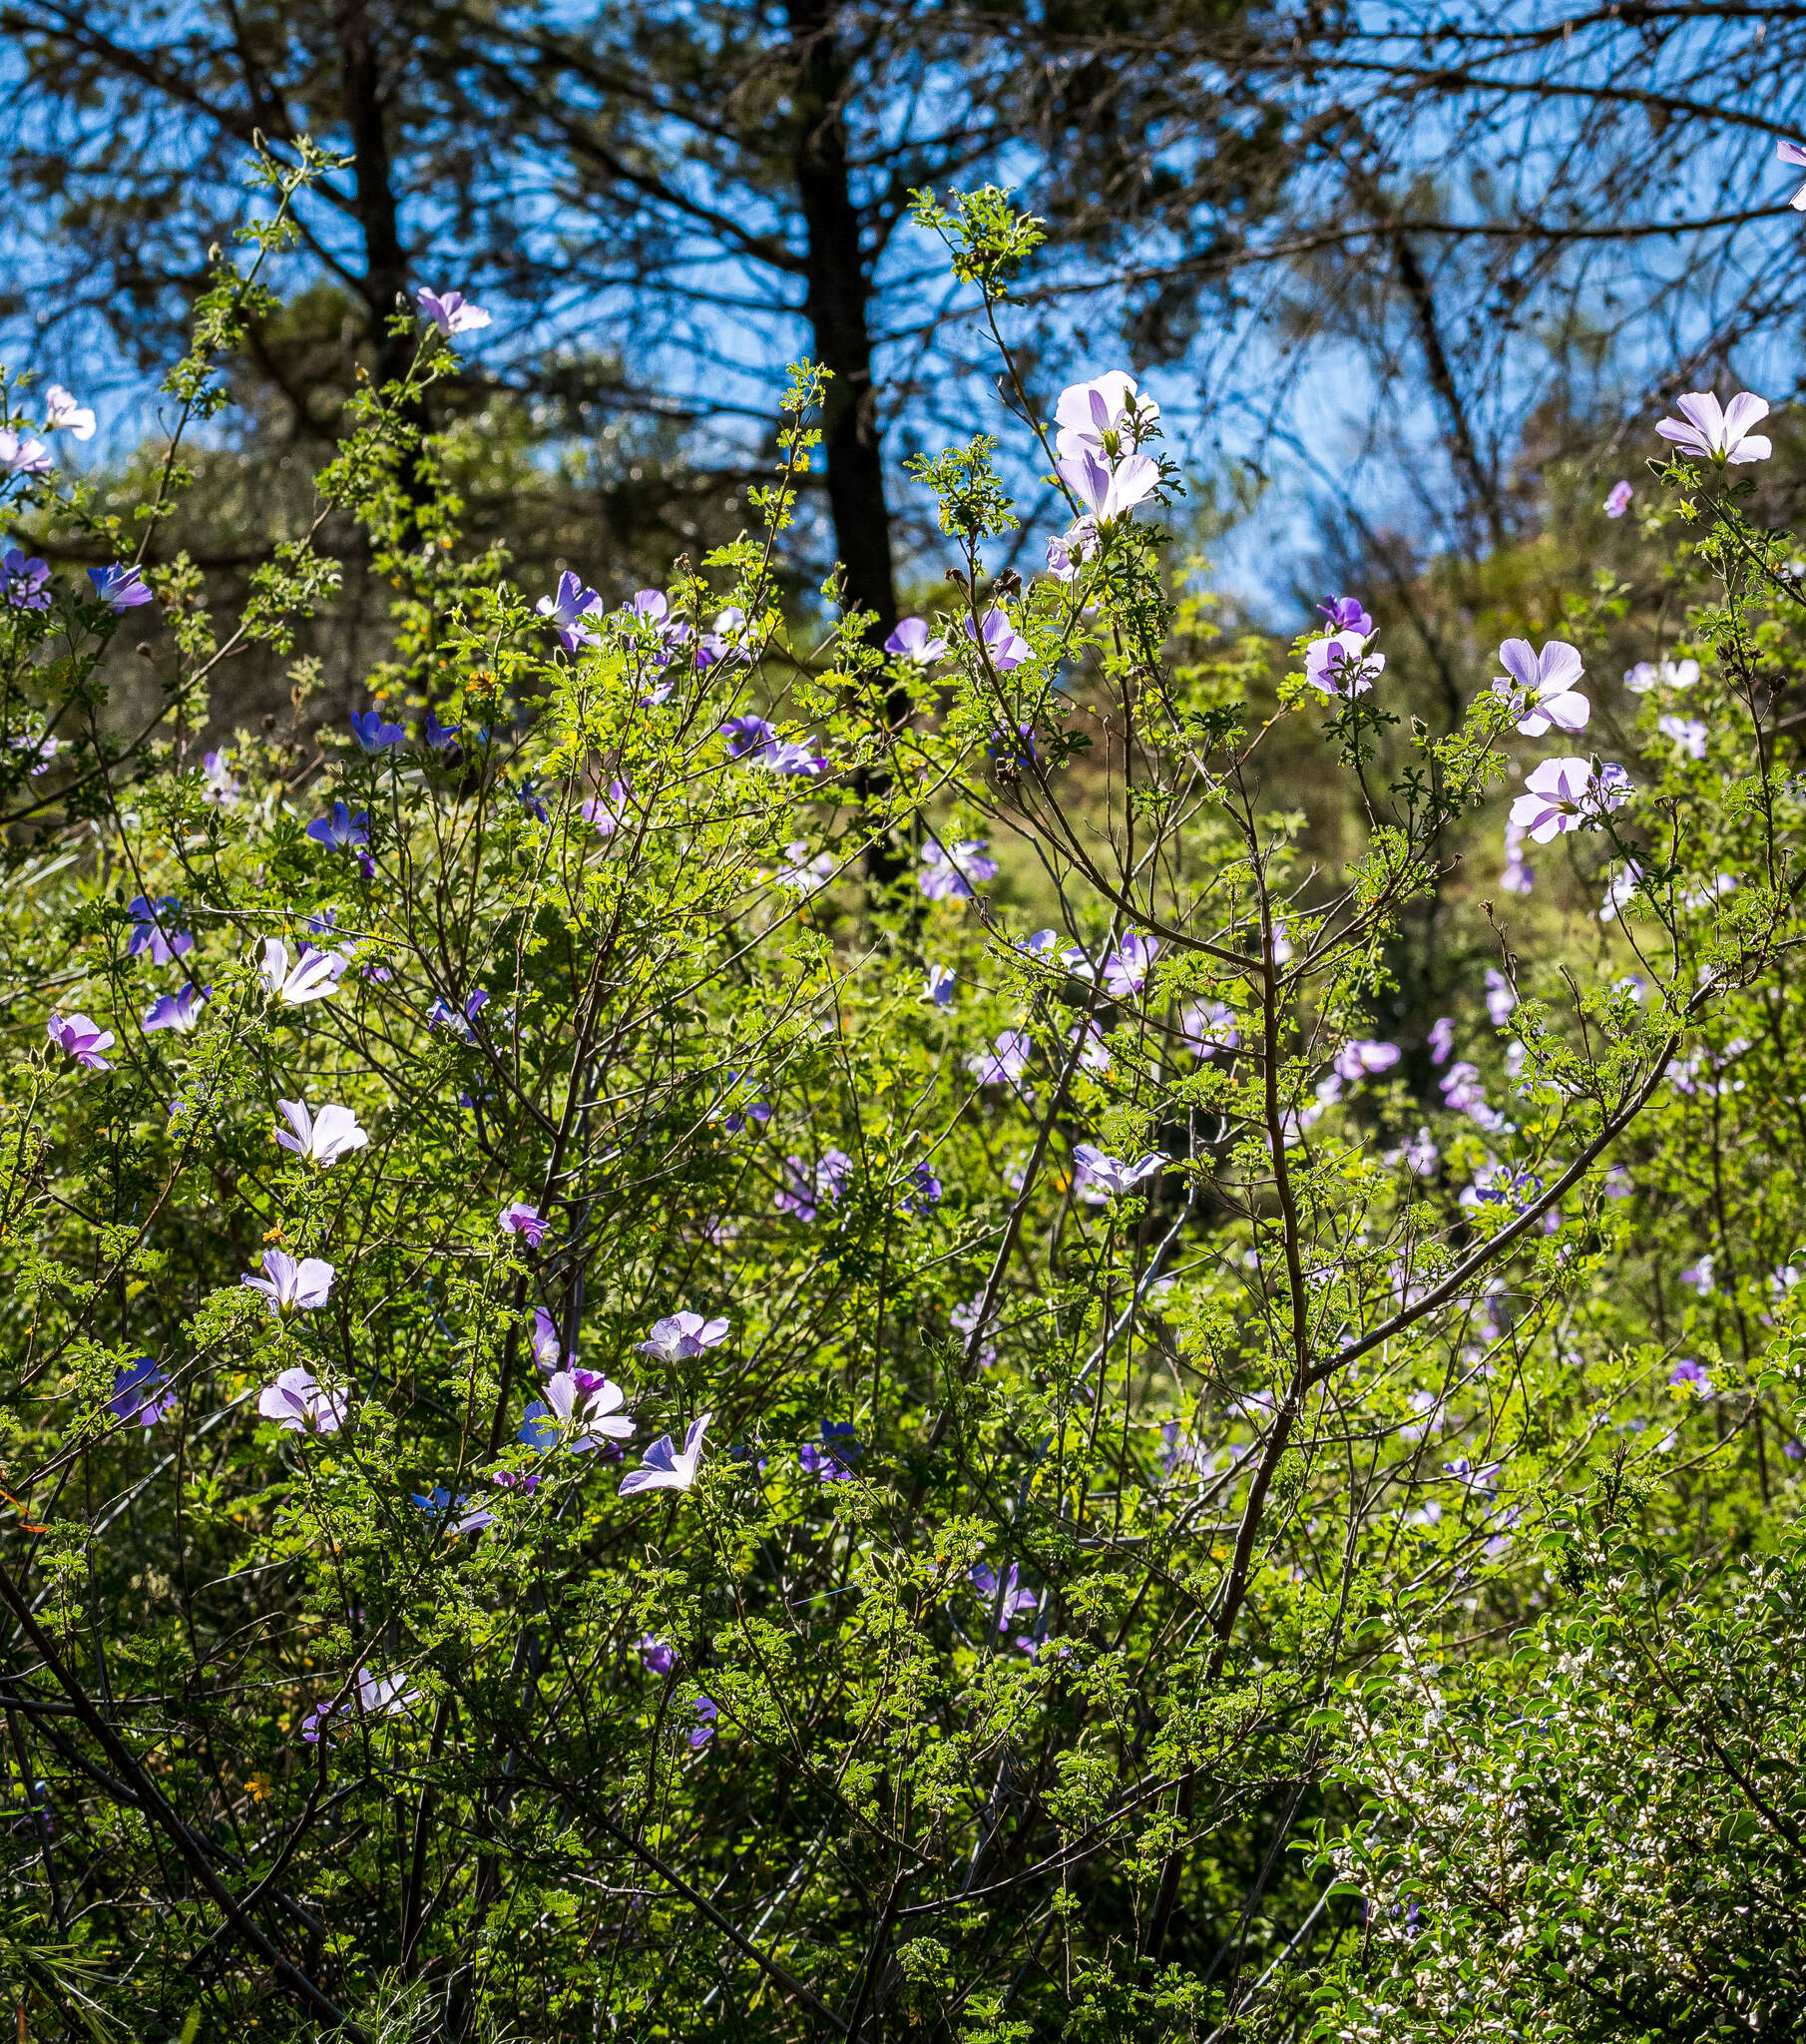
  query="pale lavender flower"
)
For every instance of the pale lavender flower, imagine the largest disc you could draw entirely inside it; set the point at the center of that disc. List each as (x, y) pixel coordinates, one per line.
(1102, 1178)
(1687, 1371)
(1127, 968)
(937, 985)
(1500, 1186)
(341, 831)
(119, 588)
(1005, 1063)
(442, 1016)
(792, 756)
(1340, 665)
(221, 788)
(655, 1655)
(832, 1461)
(1711, 432)
(547, 1348)
(1000, 638)
(1700, 1276)
(156, 928)
(81, 1039)
(747, 735)
(1364, 1054)
(320, 1139)
(522, 1220)
(1667, 674)
(966, 1319)
(297, 1404)
(913, 641)
(950, 872)
(679, 1336)
(665, 1467)
(440, 1507)
(314, 976)
(1345, 614)
(290, 1286)
(20, 456)
(1441, 1039)
(608, 817)
(1516, 877)
(800, 875)
(1108, 492)
(63, 415)
(1104, 415)
(1500, 996)
(1617, 500)
(1420, 1154)
(754, 1109)
(1541, 686)
(1686, 734)
(580, 1410)
(806, 1186)
(1094, 1052)
(1004, 1593)
(1791, 153)
(1463, 1093)
(374, 733)
(1208, 1026)
(142, 1392)
(728, 639)
(1569, 793)
(175, 1011)
(450, 313)
(568, 610)
(26, 583)
(1069, 551)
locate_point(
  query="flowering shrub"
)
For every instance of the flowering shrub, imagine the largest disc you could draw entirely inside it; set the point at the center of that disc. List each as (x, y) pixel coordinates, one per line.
(614, 1418)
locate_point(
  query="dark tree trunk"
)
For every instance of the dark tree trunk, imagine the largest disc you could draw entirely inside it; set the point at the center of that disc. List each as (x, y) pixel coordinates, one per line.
(385, 260)
(839, 298)
(838, 295)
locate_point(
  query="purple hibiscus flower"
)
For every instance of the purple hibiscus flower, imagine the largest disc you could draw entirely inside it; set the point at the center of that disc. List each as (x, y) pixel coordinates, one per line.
(451, 312)
(913, 641)
(1005, 1063)
(1345, 614)
(666, 1467)
(524, 1220)
(1569, 793)
(175, 1011)
(292, 1287)
(566, 611)
(679, 1336)
(1125, 969)
(1102, 1178)
(950, 872)
(341, 831)
(374, 733)
(998, 639)
(156, 928)
(26, 583)
(119, 588)
(141, 1393)
(297, 1404)
(81, 1039)
(806, 1186)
